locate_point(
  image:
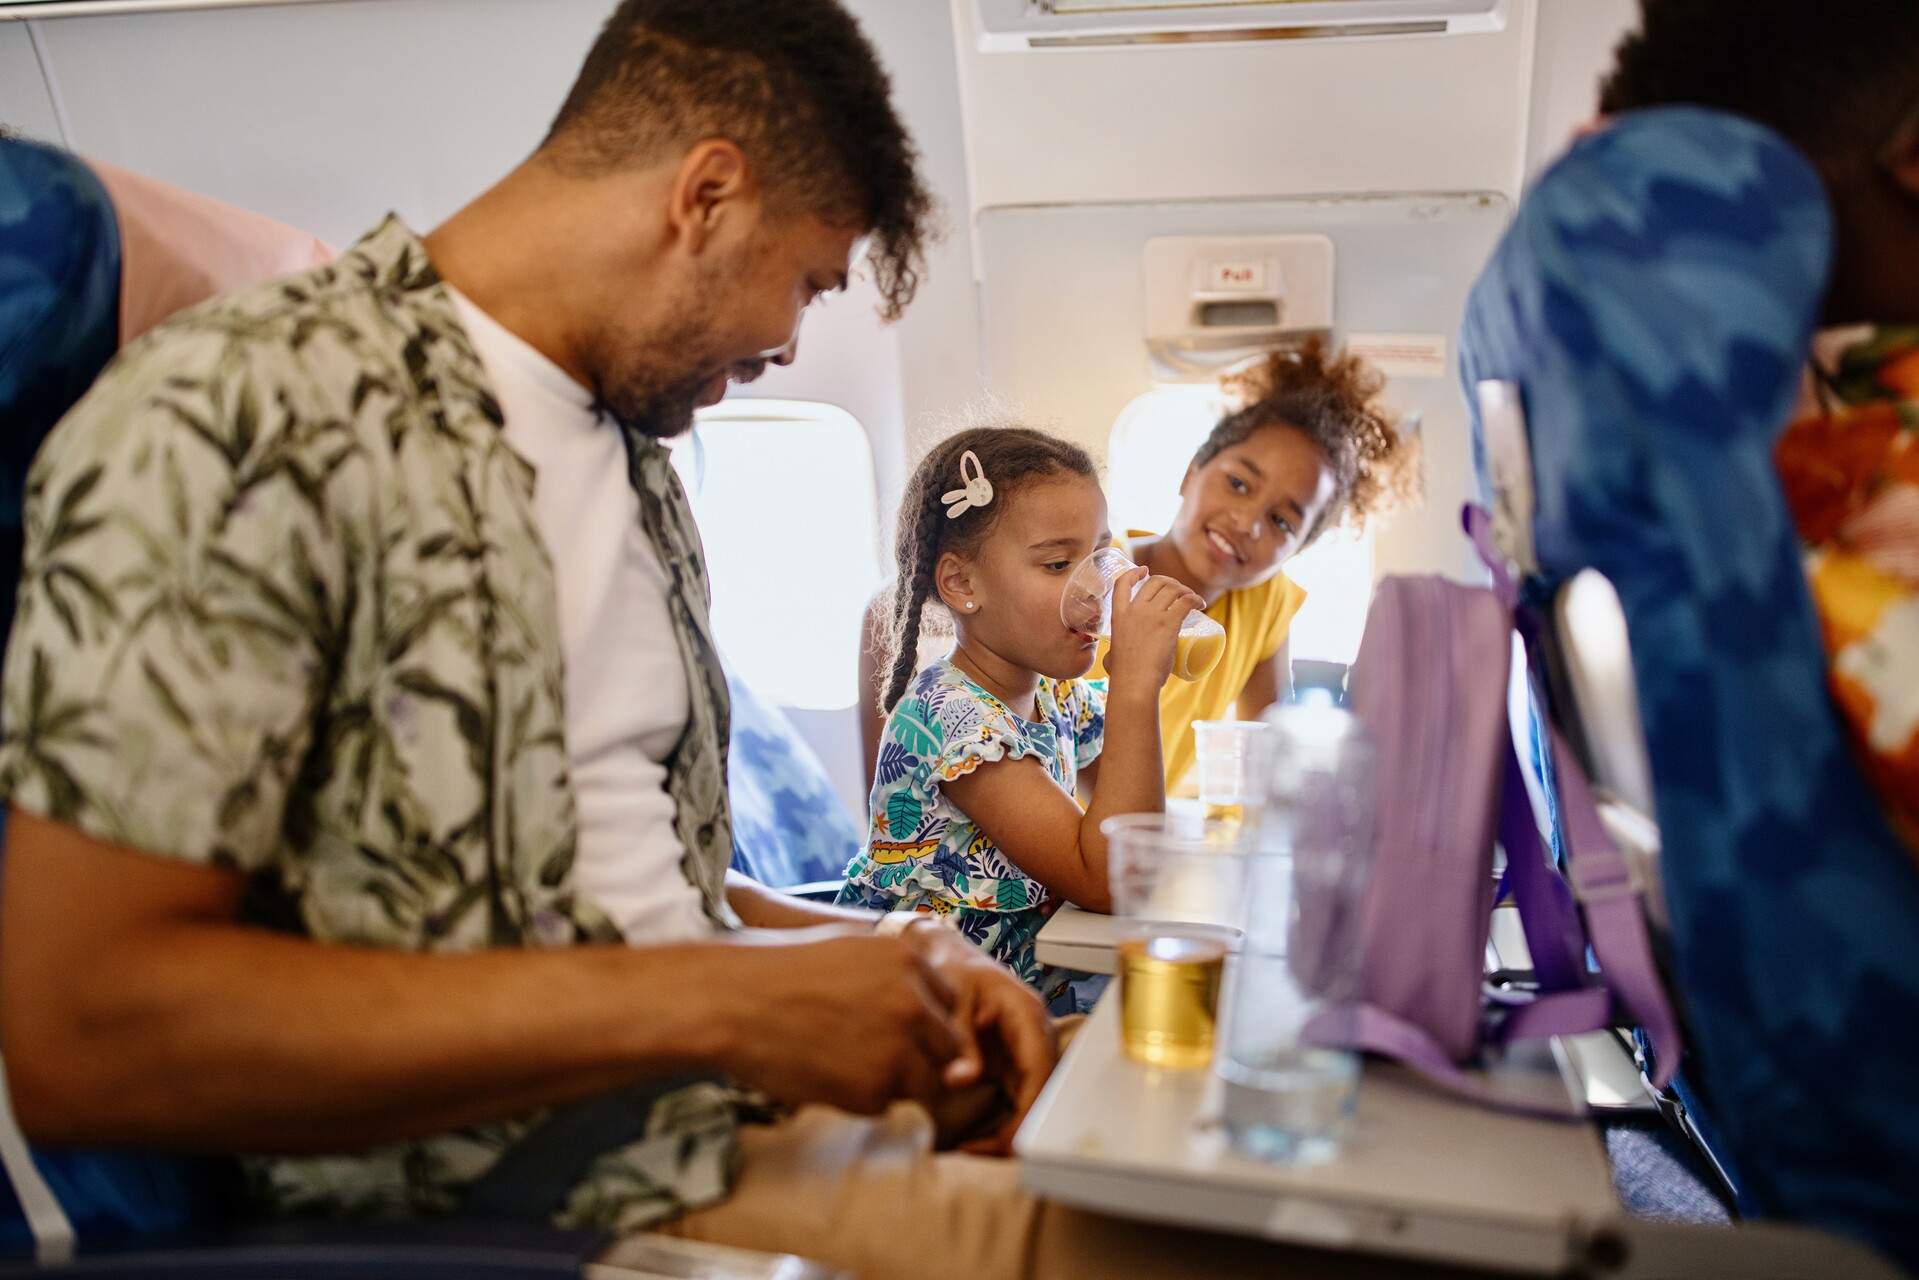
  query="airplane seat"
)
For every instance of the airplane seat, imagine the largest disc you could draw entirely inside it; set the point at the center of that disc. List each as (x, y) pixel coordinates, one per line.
(1652, 306)
(790, 829)
(60, 260)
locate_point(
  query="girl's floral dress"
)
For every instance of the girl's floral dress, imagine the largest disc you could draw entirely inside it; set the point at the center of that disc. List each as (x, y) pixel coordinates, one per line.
(923, 853)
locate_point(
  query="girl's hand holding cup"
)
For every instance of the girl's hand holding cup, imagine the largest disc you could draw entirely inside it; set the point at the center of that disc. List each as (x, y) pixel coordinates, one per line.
(1147, 614)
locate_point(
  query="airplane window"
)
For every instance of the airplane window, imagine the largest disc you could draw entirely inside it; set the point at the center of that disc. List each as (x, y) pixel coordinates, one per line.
(1153, 440)
(785, 497)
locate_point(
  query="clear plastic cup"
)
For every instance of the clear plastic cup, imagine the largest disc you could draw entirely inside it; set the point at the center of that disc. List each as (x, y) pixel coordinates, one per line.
(1291, 1079)
(1086, 606)
(1176, 893)
(1231, 768)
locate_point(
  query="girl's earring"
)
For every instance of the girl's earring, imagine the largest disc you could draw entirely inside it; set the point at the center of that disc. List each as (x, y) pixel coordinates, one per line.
(970, 606)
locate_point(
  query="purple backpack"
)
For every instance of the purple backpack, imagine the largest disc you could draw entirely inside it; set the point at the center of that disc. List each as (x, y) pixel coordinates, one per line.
(1430, 685)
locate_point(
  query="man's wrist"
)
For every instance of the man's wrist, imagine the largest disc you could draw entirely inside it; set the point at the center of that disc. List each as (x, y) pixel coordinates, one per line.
(895, 924)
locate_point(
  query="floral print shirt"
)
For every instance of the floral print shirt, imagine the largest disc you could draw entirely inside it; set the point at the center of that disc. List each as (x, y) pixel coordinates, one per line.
(285, 610)
(925, 853)
(1850, 469)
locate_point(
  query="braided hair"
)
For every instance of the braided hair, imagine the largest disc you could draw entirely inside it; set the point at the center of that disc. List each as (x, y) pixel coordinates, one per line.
(1331, 398)
(1010, 457)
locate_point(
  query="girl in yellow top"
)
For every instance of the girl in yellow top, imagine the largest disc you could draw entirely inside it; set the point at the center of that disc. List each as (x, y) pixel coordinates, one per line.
(1308, 447)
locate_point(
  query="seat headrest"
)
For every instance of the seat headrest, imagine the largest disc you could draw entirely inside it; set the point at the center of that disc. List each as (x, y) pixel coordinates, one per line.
(1658, 287)
(59, 297)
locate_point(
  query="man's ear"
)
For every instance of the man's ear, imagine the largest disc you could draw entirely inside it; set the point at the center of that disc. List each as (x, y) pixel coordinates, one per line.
(712, 186)
(953, 580)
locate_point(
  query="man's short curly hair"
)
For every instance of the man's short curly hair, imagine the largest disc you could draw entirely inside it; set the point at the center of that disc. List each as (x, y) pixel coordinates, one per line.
(795, 84)
(1832, 79)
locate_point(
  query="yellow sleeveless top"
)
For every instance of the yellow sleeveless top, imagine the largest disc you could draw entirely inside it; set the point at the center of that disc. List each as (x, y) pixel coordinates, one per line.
(1256, 619)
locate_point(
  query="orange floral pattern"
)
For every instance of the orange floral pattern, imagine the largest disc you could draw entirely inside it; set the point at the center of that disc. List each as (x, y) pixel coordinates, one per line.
(1850, 470)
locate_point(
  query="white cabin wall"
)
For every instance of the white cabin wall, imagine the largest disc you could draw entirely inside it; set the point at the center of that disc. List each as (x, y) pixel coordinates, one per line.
(25, 104)
(1575, 48)
(324, 115)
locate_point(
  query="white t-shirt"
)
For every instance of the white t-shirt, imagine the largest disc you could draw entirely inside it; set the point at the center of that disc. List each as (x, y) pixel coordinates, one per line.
(626, 690)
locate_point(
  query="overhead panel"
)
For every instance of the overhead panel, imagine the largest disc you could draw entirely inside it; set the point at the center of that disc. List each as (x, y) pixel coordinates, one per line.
(1030, 25)
(22, 10)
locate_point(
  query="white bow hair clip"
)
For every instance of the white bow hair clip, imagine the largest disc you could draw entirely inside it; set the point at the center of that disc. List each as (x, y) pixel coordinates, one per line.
(977, 493)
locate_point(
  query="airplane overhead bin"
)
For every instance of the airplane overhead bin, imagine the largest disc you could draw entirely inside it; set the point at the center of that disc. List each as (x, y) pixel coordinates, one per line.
(1015, 25)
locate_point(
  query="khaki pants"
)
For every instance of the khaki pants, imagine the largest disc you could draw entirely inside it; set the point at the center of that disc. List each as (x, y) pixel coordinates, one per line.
(871, 1197)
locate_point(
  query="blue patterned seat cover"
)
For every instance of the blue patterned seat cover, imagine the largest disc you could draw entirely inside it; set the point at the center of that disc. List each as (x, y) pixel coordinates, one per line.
(1654, 299)
(59, 314)
(789, 827)
(59, 326)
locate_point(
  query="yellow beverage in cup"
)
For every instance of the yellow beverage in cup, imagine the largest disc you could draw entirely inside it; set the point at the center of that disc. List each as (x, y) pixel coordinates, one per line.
(1193, 656)
(1225, 815)
(1169, 1000)
(1197, 655)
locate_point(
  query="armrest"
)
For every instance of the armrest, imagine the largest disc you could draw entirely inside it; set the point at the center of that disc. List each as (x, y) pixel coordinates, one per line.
(816, 891)
(336, 1251)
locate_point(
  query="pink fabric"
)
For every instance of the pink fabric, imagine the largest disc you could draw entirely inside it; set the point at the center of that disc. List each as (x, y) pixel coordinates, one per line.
(178, 249)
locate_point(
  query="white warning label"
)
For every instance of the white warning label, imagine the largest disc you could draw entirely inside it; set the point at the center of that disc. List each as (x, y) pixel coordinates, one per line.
(1403, 355)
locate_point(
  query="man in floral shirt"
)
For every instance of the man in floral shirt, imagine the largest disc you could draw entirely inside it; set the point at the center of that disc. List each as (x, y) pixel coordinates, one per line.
(293, 864)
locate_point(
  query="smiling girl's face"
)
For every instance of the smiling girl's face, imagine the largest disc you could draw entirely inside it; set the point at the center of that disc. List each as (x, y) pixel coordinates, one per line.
(1249, 508)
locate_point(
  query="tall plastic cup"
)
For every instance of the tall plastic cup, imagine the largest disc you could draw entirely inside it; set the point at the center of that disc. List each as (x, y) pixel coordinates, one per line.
(1290, 1081)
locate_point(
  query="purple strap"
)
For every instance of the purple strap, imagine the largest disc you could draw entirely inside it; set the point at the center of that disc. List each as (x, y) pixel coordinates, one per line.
(1376, 1031)
(1615, 920)
(1563, 1013)
(1479, 528)
(1546, 909)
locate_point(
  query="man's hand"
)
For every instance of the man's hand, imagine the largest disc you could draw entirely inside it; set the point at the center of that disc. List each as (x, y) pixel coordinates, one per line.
(854, 1021)
(1006, 1036)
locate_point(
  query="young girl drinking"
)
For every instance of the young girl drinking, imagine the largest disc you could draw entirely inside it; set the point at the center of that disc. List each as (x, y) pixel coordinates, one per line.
(983, 751)
(1308, 447)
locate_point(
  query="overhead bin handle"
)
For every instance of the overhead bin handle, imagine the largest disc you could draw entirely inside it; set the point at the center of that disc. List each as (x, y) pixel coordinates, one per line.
(1201, 357)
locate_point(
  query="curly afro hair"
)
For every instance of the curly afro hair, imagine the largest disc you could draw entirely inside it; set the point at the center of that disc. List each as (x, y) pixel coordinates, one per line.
(1332, 398)
(795, 84)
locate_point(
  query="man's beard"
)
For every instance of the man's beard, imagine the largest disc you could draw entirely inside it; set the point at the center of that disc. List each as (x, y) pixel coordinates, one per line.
(661, 414)
(652, 388)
